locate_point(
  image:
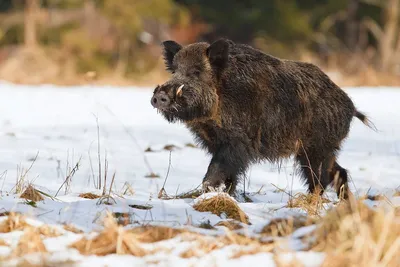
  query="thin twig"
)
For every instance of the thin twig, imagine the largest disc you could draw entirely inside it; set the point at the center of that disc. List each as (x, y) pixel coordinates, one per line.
(105, 173)
(98, 150)
(162, 191)
(91, 168)
(70, 175)
(112, 182)
(169, 167)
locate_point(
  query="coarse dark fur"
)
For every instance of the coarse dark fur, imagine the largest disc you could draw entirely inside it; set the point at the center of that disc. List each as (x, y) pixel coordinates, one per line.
(244, 106)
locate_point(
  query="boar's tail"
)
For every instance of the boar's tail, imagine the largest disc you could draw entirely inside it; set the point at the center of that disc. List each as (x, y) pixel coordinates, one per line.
(362, 117)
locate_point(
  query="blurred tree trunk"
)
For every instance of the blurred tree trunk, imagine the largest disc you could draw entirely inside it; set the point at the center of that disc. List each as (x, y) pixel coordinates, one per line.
(352, 25)
(89, 10)
(389, 36)
(30, 34)
(123, 54)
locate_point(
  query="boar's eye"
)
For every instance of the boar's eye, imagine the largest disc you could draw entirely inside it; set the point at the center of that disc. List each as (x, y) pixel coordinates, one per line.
(195, 73)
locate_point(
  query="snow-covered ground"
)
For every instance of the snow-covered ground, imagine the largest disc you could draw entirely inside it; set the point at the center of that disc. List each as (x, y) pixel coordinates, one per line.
(59, 125)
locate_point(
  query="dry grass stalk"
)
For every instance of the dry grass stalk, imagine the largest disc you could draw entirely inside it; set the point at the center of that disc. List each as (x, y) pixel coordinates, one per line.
(373, 197)
(311, 203)
(22, 175)
(355, 235)
(89, 196)
(72, 229)
(128, 189)
(286, 226)
(14, 222)
(112, 240)
(232, 225)
(32, 194)
(396, 193)
(222, 203)
(3, 243)
(30, 242)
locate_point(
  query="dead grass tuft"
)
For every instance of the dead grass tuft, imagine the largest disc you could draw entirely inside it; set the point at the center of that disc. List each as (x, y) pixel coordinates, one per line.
(32, 194)
(3, 243)
(30, 242)
(48, 231)
(311, 203)
(286, 226)
(222, 203)
(151, 234)
(396, 193)
(206, 244)
(89, 196)
(112, 240)
(14, 222)
(203, 246)
(352, 234)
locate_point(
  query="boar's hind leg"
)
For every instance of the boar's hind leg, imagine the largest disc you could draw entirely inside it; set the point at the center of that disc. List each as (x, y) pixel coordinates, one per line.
(339, 179)
(225, 168)
(316, 169)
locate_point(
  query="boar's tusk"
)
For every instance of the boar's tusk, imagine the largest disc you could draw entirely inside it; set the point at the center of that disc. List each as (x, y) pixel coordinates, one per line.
(179, 91)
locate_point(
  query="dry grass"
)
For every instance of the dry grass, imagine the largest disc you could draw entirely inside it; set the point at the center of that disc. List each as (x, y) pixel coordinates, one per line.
(89, 196)
(48, 231)
(112, 240)
(232, 225)
(252, 251)
(116, 240)
(396, 193)
(373, 197)
(222, 203)
(151, 234)
(368, 77)
(72, 229)
(32, 194)
(311, 203)
(14, 222)
(3, 243)
(353, 234)
(206, 244)
(30, 242)
(284, 262)
(286, 226)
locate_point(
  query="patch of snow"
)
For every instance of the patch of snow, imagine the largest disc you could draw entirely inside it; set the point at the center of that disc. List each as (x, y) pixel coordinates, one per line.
(59, 125)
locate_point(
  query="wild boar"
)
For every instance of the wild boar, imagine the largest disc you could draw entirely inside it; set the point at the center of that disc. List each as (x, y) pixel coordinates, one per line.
(244, 106)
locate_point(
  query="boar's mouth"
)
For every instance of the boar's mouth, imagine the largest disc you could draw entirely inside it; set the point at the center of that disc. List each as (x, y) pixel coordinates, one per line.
(182, 106)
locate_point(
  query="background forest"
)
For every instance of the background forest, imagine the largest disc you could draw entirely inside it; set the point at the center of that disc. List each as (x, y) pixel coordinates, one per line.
(118, 41)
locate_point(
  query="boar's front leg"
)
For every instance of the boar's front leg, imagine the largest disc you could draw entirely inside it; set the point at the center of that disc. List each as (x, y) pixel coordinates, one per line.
(226, 167)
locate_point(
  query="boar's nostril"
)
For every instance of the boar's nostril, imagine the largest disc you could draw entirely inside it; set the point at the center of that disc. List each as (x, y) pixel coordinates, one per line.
(154, 100)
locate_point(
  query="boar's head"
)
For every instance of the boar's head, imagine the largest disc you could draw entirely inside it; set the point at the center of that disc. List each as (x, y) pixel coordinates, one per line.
(192, 91)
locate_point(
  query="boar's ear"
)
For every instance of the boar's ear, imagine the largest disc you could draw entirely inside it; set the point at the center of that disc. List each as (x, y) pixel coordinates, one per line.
(218, 53)
(170, 50)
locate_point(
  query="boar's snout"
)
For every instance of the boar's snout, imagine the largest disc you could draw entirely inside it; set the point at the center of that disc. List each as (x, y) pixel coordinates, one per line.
(160, 100)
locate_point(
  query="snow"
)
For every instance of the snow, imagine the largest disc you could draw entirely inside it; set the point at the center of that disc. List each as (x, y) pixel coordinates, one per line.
(58, 124)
